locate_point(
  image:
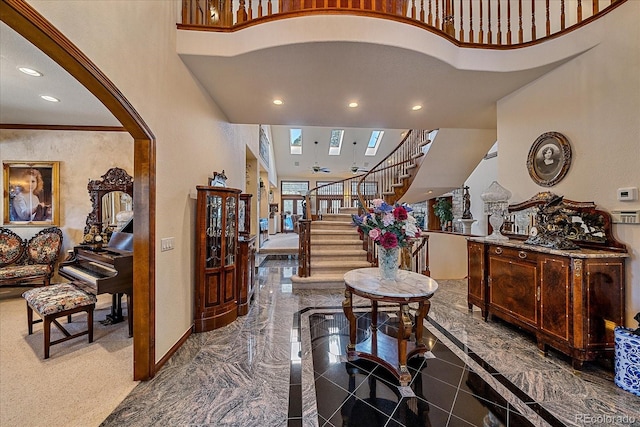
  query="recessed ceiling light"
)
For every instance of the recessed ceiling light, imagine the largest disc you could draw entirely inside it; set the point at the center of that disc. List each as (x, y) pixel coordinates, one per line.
(30, 71)
(278, 101)
(353, 104)
(416, 107)
(49, 98)
(430, 191)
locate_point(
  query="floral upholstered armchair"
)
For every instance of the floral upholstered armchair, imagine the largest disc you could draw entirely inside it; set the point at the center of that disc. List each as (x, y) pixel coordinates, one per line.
(29, 262)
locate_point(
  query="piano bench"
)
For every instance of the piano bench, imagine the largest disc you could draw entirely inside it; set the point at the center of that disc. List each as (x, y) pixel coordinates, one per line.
(54, 301)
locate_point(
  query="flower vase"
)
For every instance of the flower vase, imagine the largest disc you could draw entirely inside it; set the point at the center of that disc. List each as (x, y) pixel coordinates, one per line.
(388, 262)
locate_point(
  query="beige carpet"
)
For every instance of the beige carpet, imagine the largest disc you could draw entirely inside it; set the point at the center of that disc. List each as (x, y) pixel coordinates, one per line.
(79, 385)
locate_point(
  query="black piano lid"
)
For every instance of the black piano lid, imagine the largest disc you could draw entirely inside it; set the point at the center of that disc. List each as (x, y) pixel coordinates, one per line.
(128, 227)
(123, 239)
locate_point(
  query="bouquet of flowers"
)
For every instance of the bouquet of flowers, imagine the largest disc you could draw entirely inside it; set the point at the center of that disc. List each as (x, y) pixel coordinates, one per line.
(388, 226)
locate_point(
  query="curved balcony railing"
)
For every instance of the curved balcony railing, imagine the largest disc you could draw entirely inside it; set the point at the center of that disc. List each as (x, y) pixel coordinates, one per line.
(469, 23)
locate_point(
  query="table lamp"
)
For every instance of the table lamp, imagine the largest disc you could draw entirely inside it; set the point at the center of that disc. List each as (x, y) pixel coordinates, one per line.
(496, 201)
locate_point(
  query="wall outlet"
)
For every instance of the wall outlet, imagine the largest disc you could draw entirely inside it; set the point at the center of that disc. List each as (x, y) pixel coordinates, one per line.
(167, 244)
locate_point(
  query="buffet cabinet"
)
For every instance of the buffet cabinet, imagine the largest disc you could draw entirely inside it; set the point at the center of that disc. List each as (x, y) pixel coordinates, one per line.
(216, 289)
(570, 300)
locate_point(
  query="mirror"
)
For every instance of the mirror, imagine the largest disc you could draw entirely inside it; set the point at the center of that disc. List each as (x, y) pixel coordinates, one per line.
(112, 201)
(117, 209)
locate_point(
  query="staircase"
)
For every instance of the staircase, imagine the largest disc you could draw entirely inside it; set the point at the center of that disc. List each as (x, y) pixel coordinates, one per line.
(330, 245)
(336, 248)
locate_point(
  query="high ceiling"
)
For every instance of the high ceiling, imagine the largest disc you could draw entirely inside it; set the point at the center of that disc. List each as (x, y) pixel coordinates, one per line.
(316, 82)
(20, 101)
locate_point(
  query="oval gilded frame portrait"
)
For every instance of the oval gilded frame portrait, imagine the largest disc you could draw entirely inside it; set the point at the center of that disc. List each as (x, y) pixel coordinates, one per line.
(549, 159)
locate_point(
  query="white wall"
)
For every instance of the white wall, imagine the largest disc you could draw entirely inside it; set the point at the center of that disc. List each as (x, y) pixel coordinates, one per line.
(480, 179)
(133, 43)
(594, 100)
(447, 255)
(94, 153)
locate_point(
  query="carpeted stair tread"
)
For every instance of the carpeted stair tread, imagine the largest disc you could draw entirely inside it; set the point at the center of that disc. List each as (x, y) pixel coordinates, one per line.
(346, 264)
(320, 224)
(338, 252)
(337, 242)
(319, 281)
(335, 233)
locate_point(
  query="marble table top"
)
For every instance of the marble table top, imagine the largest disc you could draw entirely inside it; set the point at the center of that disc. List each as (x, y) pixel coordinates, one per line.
(407, 285)
(574, 253)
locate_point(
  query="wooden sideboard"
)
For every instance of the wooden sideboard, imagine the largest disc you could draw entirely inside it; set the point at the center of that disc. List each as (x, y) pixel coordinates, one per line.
(569, 299)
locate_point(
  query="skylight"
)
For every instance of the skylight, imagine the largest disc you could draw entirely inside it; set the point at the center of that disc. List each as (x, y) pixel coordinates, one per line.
(335, 143)
(295, 141)
(374, 142)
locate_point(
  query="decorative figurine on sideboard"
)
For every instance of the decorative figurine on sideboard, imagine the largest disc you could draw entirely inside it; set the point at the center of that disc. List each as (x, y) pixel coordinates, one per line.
(552, 223)
(466, 200)
(219, 179)
(467, 217)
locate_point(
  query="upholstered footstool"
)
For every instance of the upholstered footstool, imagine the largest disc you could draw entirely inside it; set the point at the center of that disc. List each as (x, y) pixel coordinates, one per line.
(53, 301)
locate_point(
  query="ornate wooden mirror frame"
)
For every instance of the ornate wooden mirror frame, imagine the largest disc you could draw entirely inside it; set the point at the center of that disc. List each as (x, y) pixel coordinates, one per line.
(115, 179)
(589, 228)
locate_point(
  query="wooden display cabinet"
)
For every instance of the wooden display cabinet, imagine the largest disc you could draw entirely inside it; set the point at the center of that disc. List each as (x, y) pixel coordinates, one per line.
(570, 300)
(246, 273)
(244, 215)
(216, 257)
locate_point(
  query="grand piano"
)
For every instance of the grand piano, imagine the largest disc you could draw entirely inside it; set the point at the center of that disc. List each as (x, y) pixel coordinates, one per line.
(109, 269)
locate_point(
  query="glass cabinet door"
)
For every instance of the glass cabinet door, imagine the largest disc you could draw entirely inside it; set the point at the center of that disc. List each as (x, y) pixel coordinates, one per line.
(213, 240)
(242, 212)
(230, 255)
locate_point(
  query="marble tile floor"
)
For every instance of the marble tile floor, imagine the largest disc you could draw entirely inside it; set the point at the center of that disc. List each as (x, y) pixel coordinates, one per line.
(283, 364)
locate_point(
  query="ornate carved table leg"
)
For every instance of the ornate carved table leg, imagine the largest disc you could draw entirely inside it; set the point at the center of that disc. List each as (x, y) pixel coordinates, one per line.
(421, 314)
(347, 307)
(404, 333)
(374, 327)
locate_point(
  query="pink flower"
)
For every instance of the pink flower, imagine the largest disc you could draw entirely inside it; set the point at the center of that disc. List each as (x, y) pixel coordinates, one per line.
(388, 219)
(389, 240)
(374, 233)
(377, 202)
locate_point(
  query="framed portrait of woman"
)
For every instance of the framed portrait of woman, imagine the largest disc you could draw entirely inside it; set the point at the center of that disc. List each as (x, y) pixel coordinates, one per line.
(549, 159)
(31, 193)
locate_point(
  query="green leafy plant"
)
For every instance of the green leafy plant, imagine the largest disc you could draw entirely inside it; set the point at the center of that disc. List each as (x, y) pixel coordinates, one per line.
(442, 208)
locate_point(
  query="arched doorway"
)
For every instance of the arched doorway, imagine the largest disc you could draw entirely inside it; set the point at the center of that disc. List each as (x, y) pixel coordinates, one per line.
(32, 26)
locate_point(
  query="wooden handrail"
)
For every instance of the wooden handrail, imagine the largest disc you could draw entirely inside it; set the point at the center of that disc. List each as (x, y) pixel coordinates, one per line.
(393, 175)
(443, 17)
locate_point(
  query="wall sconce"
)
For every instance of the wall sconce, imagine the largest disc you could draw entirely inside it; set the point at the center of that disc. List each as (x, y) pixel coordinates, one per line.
(496, 202)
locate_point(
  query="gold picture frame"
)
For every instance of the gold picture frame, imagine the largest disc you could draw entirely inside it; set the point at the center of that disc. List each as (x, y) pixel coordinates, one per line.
(549, 159)
(31, 193)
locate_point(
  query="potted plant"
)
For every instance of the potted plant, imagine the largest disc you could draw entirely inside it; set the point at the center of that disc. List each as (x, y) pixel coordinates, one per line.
(442, 208)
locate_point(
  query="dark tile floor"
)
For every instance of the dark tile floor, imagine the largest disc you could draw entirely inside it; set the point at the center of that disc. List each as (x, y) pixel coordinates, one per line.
(443, 391)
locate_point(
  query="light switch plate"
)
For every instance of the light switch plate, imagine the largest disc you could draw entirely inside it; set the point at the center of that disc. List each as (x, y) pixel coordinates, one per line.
(167, 244)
